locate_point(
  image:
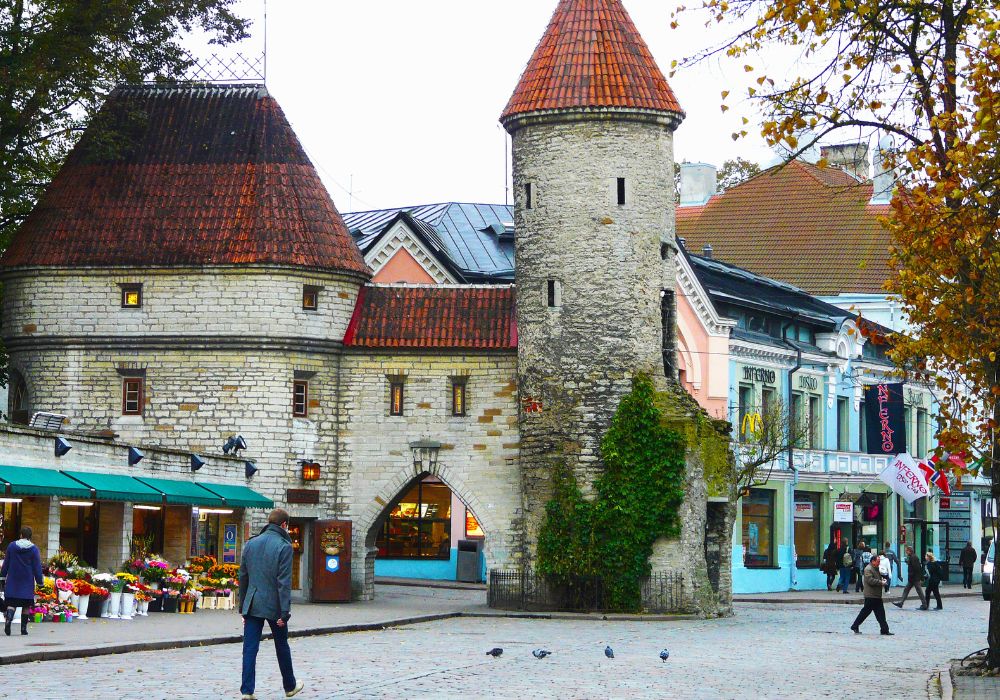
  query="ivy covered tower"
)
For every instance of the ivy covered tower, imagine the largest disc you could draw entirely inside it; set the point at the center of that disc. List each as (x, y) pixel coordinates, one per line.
(592, 122)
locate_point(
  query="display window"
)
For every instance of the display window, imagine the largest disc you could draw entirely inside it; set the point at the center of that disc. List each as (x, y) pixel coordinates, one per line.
(10, 523)
(418, 525)
(758, 529)
(807, 529)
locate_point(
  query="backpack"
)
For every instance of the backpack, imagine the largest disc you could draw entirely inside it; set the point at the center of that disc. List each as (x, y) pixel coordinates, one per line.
(847, 560)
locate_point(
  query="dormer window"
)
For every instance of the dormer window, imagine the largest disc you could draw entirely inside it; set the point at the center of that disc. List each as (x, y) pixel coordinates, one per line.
(131, 296)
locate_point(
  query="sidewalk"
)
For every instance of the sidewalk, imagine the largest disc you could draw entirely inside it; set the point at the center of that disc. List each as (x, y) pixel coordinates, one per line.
(833, 597)
(96, 637)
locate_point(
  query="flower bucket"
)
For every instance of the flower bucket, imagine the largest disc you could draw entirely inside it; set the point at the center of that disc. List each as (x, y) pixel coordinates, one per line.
(156, 604)
(38, 617)
(170, 603)
(64, 595)
(115, 606)
(74, 600)
(83, 607)
(208, 602)
(128, 606)
(96, 606)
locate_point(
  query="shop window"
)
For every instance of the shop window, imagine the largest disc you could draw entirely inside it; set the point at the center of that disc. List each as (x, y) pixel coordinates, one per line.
(310, 297)
(472, 527)
(78, 533)
(815, 423)
(10, 522)
(207, 534)
(843, 432)
(300, 398)
(131, 296)
(921, 433)
(745, 398)
(807, 529)
(395, 397)
(133, 391)
(758, 529)
(459, 396)
(419, 524)
(767, 398)
(147, 527)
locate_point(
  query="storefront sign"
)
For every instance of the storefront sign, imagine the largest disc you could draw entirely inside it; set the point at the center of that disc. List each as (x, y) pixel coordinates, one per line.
(843, 512)
(904, 477)
(885, 428)
(758, 374)
(962, 503)
(229, 544)
(310, 496)
(806, 382)
(803, 510)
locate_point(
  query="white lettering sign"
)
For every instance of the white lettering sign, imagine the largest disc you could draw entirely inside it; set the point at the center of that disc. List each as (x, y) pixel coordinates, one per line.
(904, 477)
(803, 510)
(843, 512)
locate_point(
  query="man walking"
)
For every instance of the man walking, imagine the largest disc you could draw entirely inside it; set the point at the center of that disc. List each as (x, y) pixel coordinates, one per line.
(914, 575)
(266, 594)
(967, 559)
(873, 584)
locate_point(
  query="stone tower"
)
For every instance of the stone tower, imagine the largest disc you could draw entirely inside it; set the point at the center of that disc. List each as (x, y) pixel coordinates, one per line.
(592, 122)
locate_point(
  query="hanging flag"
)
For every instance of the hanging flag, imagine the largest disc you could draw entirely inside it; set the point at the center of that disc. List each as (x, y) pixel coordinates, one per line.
(904, 477)
(935, 476)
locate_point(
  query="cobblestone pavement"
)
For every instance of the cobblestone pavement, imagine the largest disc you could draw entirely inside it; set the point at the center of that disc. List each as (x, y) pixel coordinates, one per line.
(765, 651)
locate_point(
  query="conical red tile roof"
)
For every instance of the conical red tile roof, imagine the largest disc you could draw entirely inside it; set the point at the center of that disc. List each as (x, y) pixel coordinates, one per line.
(591, 55)
(186, 176)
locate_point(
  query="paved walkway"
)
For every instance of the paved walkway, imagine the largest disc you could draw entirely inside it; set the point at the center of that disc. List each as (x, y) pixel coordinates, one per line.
(764, 651)
(953, 591)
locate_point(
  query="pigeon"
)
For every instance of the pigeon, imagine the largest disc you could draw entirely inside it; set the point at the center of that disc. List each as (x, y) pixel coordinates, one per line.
(540, 653)
(664, 655)
(609, 652)
(495, 652)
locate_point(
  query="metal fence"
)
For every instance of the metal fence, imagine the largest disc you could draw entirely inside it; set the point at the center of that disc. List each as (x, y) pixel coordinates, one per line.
(527, 590)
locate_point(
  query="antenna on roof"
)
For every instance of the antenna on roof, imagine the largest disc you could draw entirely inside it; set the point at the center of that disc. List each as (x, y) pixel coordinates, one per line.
(265, 41)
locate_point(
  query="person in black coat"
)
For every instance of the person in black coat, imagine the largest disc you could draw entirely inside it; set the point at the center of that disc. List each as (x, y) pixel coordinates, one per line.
(934, 576)
(914, 575)
(831, 565)
(22, 567)
(967, 559)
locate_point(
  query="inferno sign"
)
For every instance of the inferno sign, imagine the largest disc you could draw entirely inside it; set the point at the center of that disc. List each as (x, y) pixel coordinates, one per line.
(885, 427)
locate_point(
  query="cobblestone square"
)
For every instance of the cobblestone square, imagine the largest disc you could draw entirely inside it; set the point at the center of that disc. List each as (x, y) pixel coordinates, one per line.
(765, 651)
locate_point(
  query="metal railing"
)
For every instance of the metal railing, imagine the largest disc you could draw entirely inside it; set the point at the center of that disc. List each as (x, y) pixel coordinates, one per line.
(661, 592)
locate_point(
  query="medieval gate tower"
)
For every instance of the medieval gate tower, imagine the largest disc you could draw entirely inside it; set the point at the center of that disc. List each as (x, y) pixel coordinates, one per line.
(592, 122)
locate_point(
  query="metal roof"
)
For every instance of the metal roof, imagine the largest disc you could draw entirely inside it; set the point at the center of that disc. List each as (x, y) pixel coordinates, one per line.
(476, 239)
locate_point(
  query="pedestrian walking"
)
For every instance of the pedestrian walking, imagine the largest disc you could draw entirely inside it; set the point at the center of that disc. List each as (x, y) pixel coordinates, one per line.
(873, 584)
(846, 566)
(885, 569)
(831, 564)
(859, 565)
(893, 561)
(266, 594)
(914, 575)
(22, 567)
(967, 559)
(934, 576)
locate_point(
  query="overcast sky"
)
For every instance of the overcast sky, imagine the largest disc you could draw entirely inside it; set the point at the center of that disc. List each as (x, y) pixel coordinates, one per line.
(405, 96)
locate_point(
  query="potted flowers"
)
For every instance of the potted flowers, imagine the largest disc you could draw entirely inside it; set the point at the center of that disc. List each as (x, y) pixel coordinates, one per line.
(129, 589)
(114, 586)
(64, 589)
(154, 573)
(186, 603)
(82, 591)
(143, 597)
(170, 599)
(98, 601)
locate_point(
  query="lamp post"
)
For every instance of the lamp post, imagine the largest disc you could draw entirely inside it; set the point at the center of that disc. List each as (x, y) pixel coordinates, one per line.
(425, 456)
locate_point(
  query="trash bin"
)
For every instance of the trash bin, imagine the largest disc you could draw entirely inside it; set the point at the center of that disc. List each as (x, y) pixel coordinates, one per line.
(469, 567)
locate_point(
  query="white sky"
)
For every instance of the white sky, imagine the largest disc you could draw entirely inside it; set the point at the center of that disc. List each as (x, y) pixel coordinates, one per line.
(405, 96)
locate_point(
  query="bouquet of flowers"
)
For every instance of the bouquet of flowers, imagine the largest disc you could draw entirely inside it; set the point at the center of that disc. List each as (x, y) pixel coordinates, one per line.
(143, 593)
(61, 564)
(63, 584)
(134, 567)
(99, 593)
(48, 588)
(110, 582)
(83, 573)
(156, 570)
(81, 587)
(201, 564)
(127, 581)
(224, 571)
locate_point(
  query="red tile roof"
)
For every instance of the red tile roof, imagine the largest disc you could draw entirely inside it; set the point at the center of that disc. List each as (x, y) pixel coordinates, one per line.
(186, 176)
(591, 55)
(811, 227)
(434, 317)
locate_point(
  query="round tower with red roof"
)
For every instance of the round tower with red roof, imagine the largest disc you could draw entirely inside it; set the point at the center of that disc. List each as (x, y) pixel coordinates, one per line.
(592, 122)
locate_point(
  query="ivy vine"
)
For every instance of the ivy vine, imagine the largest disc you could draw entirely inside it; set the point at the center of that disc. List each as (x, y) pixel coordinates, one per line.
(637, 499)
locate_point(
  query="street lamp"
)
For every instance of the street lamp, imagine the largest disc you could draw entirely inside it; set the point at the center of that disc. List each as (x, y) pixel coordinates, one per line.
(425, 455)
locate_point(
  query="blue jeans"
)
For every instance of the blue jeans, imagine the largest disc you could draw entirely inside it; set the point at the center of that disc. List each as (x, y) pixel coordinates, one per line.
(845, 579)
(251, 644)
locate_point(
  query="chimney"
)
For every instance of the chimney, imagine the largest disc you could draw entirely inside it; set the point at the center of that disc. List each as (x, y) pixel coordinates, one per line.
(884, 179)
(698, 181)
(707, 250)
(852, 157)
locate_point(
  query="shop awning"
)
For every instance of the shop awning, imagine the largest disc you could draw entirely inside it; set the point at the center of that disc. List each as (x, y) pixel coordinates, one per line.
(117, 487)
(239, 496)
(30, 481)
(183, 492)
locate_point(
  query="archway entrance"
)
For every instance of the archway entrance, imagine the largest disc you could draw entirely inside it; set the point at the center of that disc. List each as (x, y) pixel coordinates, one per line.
(424, 531)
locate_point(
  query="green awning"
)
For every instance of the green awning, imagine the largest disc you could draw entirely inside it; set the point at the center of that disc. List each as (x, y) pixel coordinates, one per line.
(117, 487)
(30, 481)
(185, 493)
(239, 496)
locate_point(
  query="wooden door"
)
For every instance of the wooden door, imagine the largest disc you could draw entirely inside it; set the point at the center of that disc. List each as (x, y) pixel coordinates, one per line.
(331, 547)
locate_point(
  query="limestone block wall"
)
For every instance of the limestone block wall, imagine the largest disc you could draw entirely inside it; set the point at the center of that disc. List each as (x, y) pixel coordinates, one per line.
(478, 457)
(576, 357)
(238, 302)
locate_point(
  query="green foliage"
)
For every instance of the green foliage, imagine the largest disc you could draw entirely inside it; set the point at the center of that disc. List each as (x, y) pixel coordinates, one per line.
(637, 500)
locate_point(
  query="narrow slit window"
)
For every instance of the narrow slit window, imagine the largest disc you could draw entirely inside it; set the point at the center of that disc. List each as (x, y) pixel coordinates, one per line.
(300, 399)
(528, 199)
(396, 398)
(621, 191)
(458, 398)
(132, 396)
(553, 294)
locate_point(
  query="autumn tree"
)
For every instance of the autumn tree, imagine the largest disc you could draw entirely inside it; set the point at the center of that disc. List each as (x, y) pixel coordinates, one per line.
(923, 73)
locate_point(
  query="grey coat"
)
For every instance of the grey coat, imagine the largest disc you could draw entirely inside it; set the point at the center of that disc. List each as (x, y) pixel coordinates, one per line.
(266, 575)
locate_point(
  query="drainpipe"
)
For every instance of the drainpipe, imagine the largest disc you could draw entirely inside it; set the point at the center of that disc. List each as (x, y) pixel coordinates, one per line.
(793, 572)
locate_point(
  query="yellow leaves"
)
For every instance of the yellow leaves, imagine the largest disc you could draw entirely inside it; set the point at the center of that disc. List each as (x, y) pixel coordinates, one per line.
(725, 94)
(993, 357)
(748, 68)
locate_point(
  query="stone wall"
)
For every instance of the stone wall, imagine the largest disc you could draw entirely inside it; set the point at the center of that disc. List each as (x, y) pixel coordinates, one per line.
(576, 359)
(478, 457)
